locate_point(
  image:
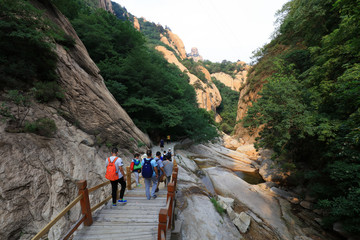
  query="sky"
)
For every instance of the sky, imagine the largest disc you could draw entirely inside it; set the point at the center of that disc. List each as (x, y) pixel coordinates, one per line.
(220, 29)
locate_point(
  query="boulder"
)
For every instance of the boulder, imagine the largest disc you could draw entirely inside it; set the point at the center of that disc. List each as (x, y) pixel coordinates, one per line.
(200, 220)
(242, 222)
(230, 142)
(270, 172)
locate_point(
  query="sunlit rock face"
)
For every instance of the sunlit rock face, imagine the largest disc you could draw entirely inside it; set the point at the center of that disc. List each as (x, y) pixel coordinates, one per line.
(208, 95)
(177, 43)
(194, 54)
(136, 24)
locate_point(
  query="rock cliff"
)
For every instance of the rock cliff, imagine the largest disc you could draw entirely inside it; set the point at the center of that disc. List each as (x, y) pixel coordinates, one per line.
(39, 174)
(236, 82)
(208, 96)
(136, 24)
(247, 95)
(106, 4)
(194, 54)
(177, 43)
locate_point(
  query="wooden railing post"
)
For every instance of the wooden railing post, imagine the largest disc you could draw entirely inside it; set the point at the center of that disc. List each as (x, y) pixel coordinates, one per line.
(171, 195)
(85, 203)
(162, 222)
(128, 178)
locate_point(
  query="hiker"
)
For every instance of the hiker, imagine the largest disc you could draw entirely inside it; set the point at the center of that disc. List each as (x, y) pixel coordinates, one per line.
(160, 169)
(115, 173)
(168, 154)
(168, 139)
(164, 156)
(136, 168)
(162, 144)
(150, 174)
(168, 168)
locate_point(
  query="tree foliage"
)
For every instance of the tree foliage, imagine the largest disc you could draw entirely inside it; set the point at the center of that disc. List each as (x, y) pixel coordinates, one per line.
(228, 106)
(153, 92)
(26, 46)
(310, 103)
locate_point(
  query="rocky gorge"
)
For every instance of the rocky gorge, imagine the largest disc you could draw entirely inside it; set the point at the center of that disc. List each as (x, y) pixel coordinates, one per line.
(253, 209)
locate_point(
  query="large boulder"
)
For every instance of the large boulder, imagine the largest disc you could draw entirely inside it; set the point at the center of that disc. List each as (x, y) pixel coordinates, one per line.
(200, 220)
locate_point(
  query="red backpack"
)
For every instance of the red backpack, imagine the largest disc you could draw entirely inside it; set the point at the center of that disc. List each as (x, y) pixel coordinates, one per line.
(111, 172)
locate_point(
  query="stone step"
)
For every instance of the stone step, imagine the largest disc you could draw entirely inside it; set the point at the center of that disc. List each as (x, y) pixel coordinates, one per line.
(112, 224)
(103, 236)
(127, 220)
(128, 216)
(135, 211)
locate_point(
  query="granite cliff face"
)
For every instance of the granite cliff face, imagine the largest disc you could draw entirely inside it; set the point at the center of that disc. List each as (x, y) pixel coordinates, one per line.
(208, 96)
(236, 82)
(247, 95)
(39, 174)
(106, 4)
(194, 54)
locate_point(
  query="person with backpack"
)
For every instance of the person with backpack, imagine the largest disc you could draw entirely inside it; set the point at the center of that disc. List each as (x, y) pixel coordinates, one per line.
(150, 174)
(160, 168)
(115, 173)
(164, 156)
(135, 167)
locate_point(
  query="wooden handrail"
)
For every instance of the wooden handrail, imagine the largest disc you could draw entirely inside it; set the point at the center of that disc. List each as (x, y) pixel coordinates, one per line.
(101, 203)
(98, 186)
(85, 208)
(128, 178)
(165, 214)
(52, 222)
(74, 227)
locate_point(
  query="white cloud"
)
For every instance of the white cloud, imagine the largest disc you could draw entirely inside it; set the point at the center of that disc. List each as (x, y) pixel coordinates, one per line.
(220, 29)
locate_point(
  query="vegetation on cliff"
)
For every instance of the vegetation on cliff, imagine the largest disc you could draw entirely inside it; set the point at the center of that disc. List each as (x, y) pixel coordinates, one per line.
(310, 103)
(154, 93)
(26, 46)
(228, 107)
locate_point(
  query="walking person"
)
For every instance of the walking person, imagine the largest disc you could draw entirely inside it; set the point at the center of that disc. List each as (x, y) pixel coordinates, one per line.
(168, 139)
(150, 174)
(162, 144)
(160, 169)
(168, 154)
(136, 168)
(115, 173)
(168, 168)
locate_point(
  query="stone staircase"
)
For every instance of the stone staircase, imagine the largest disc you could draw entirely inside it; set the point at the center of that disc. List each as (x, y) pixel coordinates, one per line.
(136, 219)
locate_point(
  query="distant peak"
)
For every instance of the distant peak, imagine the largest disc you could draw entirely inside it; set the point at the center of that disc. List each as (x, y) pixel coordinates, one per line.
(194, 54)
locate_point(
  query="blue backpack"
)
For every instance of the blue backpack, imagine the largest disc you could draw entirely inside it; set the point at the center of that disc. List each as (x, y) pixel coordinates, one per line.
(147, 170)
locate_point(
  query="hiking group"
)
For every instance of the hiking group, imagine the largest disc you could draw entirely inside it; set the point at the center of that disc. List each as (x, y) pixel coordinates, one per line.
(153, 170)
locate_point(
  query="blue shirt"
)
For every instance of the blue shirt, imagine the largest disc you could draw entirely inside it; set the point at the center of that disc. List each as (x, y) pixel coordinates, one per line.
(160, 164)
(153, 164)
